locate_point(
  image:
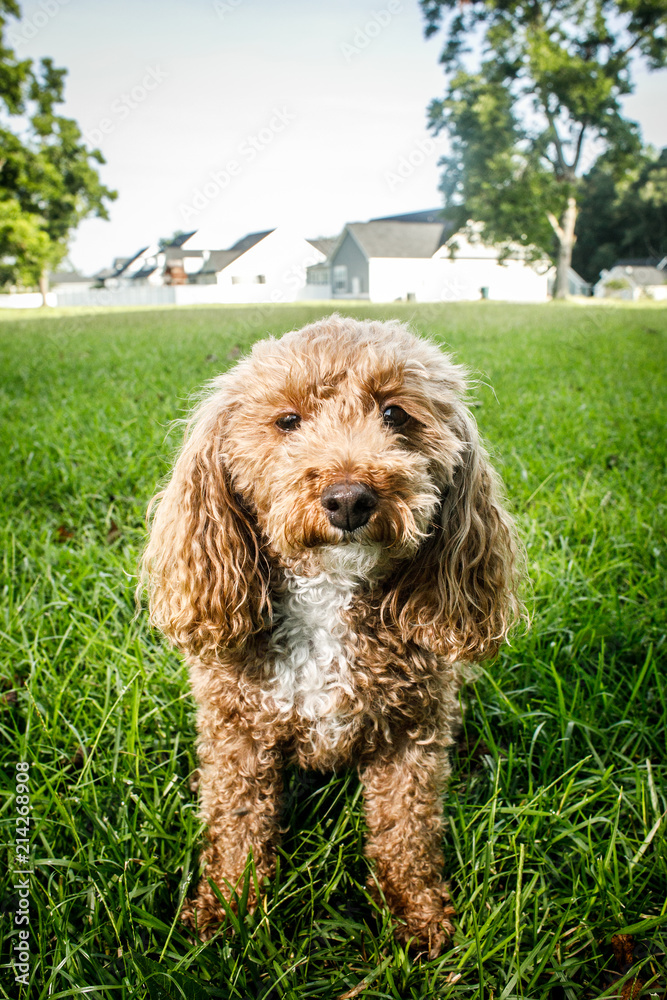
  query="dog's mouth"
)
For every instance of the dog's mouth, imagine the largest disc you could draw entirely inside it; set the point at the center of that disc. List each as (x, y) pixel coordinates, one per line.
(394, 527)
(352, 510)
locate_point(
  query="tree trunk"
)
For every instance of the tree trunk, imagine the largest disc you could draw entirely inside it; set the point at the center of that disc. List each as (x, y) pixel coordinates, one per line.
(44, 285)
(566, 239)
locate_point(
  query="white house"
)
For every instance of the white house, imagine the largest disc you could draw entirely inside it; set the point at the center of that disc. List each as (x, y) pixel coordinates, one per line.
(633, 280)
(415, 257)
(269, 266)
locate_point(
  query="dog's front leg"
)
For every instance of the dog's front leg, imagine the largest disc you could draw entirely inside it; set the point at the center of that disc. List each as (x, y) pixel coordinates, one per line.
(240, 788)
(403, 796)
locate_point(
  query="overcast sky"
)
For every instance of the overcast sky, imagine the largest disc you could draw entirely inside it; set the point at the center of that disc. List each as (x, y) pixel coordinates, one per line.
(232, 116)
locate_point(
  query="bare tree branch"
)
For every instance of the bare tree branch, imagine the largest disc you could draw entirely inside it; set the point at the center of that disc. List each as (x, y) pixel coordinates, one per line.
(577, 152)
(556, 140)
(555, 225)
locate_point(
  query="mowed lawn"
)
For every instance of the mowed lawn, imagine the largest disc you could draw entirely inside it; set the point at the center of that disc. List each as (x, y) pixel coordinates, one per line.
(556, 812)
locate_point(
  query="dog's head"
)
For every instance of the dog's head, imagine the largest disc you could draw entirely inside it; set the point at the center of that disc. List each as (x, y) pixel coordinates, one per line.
(342, 436)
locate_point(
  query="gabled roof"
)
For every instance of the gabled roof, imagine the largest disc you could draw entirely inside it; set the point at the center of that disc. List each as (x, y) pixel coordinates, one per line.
(430, 215)
(398, 239)
(325, 245)
(218, 260)
(144, 272)
(659, 262)
(180, 240)
(640, 276)
(69, 277)
(122, 263)
(249, 241)
(176, 252)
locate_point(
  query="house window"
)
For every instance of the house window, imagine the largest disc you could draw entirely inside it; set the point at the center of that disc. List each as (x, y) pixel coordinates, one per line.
(340, 278)
(244, 279)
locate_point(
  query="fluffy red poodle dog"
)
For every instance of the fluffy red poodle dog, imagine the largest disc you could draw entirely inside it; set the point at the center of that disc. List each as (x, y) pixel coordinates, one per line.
(330, 549)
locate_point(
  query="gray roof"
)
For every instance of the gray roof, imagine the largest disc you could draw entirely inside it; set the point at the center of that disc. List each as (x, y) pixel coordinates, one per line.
(218, 260)
(176, 252)
(144, 272)
(641, 276)
(67, 277)
(659, 262)
(325, 245)
(180, 240)
(130, 260)
(430, 215)
(249, 241)
(399, 239)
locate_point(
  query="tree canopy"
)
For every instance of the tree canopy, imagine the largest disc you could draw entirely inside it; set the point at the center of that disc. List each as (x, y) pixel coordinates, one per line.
(621, 218)
(48, 177)
(533, 96)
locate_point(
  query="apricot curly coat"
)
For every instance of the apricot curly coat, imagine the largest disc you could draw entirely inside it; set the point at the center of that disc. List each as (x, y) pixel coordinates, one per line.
(331, 547)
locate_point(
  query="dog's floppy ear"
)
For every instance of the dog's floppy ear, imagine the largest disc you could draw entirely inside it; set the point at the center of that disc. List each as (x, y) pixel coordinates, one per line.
(457, 596)
(204, 570)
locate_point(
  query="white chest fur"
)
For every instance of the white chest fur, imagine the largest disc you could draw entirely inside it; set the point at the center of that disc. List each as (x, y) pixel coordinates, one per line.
(311, 667)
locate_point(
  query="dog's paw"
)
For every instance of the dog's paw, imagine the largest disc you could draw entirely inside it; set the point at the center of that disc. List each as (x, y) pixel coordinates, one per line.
(203, 913)
(427, 921)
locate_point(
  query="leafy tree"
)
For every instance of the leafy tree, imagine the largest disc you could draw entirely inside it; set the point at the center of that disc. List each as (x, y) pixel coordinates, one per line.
(48, 180)
(621, 218)
(24, 246)
(542, 97)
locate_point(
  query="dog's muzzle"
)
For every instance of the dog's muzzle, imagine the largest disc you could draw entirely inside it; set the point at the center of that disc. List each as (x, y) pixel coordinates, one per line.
(348, 505)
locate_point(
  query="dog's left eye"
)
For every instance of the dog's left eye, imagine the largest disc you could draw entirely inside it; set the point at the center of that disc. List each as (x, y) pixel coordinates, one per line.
(289, 422)
(395, 416)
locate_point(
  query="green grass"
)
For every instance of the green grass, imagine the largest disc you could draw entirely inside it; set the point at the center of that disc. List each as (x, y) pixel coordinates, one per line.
(555, 837)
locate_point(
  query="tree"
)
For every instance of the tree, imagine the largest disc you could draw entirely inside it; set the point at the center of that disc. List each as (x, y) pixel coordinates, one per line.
(48, 180)
(543, 98)
(621, 218)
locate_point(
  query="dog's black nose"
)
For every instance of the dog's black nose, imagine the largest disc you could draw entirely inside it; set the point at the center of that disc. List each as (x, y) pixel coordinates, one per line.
(348, 505)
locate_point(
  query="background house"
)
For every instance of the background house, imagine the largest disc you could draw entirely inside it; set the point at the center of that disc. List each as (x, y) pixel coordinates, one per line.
(633, 280)
(70, 282)
(180, 263)
(417, 257)
(268, 266)
(576, 285)
(412, 257)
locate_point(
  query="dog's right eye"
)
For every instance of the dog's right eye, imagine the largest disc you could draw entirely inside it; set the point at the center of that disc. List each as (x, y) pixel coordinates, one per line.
(289, 422)
(395, 416)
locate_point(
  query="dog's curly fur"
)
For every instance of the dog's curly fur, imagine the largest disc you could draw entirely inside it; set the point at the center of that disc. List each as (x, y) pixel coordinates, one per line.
(330, 632)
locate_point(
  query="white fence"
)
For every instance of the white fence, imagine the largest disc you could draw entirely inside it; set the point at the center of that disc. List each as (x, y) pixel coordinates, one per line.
(27, 300)
(141, 295)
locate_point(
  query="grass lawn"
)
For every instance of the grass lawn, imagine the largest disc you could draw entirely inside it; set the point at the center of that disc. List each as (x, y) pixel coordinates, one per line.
(556, 812)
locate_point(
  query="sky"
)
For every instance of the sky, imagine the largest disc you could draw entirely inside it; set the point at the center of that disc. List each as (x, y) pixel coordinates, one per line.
(236, 116)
